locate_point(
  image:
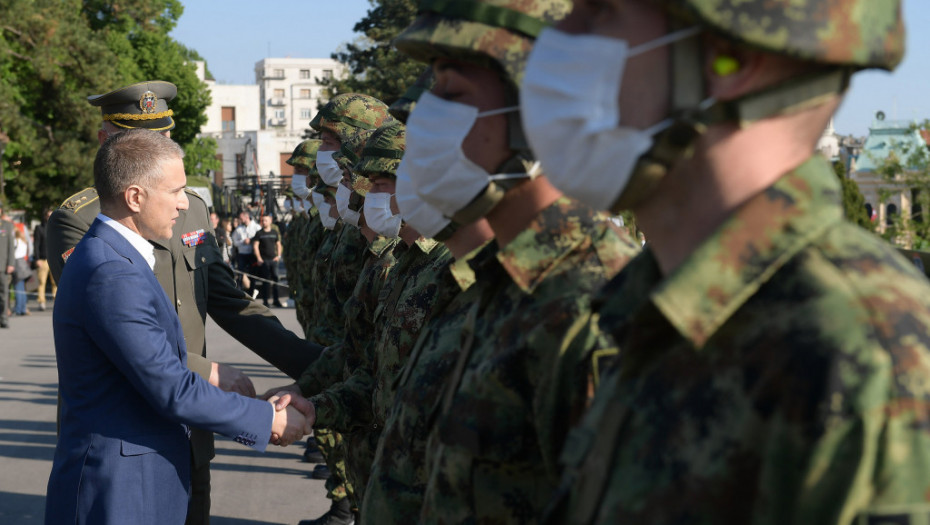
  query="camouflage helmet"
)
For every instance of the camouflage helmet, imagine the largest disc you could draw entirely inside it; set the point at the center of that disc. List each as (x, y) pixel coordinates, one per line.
(402, 107)
(485, 31)
(350, 114)
(348, 156)
(383, 151)
(305, 154)
(324, 189)
(854, 33)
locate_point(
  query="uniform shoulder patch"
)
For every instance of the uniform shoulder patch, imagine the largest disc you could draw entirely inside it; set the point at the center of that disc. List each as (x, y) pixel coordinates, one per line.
(79, 200)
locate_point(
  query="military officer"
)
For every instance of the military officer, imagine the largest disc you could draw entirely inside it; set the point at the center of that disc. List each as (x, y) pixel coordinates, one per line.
(527, 344)
(774, 355)
(190, 268)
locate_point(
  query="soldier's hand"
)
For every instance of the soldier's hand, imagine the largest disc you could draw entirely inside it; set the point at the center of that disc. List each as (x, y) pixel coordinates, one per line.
(284, 400)
(292, 388)
(231, 380)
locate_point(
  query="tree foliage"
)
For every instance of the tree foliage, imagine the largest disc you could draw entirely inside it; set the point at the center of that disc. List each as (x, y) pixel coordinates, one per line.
(374, 67)
(53, 54)
(853, 201)
(907, 167)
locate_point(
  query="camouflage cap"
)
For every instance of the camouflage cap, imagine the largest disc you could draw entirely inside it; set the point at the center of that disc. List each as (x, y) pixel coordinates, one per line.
(305, 154)
(856, 33)
(402, 107)
(347, 157)
(499, 31)
(383, 151)
(142, 105)
(351, 114)
(324, 189)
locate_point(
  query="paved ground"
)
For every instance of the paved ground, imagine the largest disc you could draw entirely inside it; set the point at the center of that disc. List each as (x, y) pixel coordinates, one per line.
(248, 487)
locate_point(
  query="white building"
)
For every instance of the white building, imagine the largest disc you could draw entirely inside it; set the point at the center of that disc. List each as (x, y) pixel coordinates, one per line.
(829, 144)
(257, 126)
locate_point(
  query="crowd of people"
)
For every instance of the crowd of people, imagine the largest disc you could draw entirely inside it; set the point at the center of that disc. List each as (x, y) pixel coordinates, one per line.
(481, 342)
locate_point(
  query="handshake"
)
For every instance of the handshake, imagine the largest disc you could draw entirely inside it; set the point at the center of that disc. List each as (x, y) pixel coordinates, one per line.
(294, 417)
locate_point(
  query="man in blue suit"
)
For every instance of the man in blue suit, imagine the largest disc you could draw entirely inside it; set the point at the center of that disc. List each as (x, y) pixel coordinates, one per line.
(129, 400)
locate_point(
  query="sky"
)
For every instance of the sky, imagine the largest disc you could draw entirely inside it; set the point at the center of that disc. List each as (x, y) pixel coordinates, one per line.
(316, 28)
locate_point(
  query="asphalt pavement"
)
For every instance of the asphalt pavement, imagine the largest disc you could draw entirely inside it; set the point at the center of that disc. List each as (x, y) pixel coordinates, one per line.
(248, 487)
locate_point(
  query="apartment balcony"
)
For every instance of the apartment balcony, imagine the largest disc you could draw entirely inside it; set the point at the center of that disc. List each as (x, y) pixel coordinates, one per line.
(276, 101)
(277, 122)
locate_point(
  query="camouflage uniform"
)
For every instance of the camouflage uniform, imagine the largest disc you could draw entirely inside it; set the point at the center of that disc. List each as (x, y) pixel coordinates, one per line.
(778, 373)
(394, 494)
(302, 240)
(528, 347)
(776, 377)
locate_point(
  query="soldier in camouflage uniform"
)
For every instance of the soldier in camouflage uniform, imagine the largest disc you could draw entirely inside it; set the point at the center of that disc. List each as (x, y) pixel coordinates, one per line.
(305, 232)
(346, 119)
(527, 343)
(774, 356)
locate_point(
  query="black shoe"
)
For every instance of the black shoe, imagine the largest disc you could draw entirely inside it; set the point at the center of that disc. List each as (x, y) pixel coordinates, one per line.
(320, 472)
(277, 304)
(313, 455)
(339, 513)
(4, 324)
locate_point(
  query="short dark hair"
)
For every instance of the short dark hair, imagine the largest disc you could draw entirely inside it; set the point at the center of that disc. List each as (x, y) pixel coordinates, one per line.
(134, 156)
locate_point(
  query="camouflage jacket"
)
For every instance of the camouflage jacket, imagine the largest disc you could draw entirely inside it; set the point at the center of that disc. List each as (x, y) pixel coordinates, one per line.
(320, 330)
(308, 243)
(361, 403)
(340, 359)
(394, 494)
(779, 375)
(527, 347)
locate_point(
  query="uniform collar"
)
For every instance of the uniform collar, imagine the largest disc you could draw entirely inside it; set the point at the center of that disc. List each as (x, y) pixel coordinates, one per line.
(381, 244)
(462, 270)
(557, 231)
(739, 257)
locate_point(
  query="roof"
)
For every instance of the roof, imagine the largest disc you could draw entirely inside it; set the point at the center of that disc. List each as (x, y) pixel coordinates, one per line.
(886, 136)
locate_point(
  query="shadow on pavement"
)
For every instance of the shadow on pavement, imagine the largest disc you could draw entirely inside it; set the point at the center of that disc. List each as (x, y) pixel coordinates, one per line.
(21, 508)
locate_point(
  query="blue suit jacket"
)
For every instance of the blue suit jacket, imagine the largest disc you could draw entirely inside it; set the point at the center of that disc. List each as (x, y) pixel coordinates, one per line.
(123, 454)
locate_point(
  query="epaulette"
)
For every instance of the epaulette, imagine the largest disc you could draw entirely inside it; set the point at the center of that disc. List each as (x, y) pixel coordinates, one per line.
(79, 200)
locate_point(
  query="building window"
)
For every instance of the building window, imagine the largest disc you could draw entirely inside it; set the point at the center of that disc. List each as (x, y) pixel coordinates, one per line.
(306, 93)
(279, 113)
(890, 212)
(305, 113)
(229, 118)
(304, 73)
(277, 73)
(916, 208)
(240, 167)
(218, 175)
(279, 93)
(327, 73)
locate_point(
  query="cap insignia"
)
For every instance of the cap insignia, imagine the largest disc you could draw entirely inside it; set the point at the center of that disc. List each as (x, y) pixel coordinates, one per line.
(147, 102)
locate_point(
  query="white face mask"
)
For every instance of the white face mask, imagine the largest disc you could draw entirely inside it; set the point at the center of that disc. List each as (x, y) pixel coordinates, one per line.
(299, 185)
(379, 217)
(342, 205)
(434, 161)
(328, 222)
(422, 217)
(571, 117)
(330, 172)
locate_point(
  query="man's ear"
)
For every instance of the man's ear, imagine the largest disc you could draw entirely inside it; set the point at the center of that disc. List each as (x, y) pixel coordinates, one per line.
(730, 71)
(134, 197)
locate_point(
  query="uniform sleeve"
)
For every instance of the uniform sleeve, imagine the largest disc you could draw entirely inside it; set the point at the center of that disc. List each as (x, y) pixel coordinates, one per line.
(324, 372)
(253, 325)
(65, 229)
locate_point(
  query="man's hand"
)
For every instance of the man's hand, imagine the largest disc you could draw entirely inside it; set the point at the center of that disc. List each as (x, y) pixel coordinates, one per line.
(288, 426)
(231, 380)
(291, 388)
(287, 400)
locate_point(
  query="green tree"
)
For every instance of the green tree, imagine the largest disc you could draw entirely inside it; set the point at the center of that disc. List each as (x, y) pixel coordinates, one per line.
(374, 67)
(853, 201)
(907, 167)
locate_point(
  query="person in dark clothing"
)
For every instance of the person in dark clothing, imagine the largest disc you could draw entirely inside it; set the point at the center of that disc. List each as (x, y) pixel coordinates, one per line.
(266, 245)
(41, 260)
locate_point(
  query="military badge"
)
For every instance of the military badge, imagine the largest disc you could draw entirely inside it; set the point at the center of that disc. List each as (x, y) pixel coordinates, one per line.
(194, 238)
(147, 102)
(64, 256)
